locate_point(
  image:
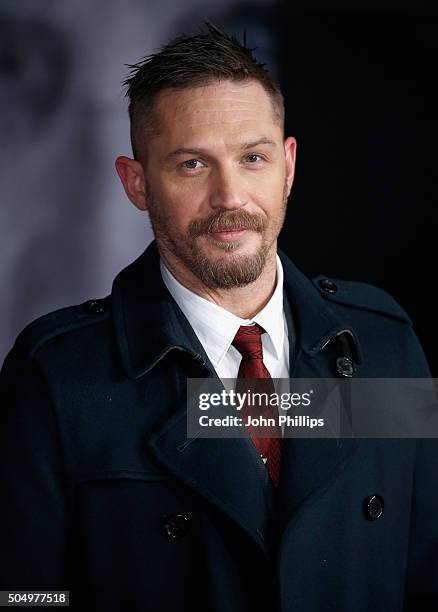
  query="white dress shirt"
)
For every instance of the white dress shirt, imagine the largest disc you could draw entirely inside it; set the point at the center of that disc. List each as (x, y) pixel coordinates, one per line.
(216, 327)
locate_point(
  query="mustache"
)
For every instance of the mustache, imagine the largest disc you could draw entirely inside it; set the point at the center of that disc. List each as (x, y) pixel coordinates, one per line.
(222, 222)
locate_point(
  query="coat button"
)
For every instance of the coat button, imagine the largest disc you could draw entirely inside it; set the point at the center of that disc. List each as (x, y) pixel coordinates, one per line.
(373, 507)
(345, 367)
(95, 306)
(327, 285)
(176, 525)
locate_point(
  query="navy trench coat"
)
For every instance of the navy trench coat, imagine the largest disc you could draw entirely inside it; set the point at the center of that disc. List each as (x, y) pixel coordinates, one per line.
(102, 496)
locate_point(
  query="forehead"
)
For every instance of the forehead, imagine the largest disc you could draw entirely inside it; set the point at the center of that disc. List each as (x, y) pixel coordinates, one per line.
(219, 107)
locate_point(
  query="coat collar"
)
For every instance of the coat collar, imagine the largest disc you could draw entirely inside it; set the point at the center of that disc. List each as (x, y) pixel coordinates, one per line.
(148, 321)
(144, 309)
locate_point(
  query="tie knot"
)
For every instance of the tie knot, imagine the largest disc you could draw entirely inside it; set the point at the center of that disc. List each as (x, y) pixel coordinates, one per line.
(248, 341)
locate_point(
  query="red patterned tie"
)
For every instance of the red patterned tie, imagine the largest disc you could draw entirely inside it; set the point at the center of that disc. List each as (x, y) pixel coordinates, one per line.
(249, 344)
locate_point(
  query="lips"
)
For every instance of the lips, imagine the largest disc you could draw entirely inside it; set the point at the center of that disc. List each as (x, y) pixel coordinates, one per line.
(228, 234)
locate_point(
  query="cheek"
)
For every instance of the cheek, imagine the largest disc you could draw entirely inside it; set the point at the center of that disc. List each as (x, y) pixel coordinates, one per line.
(269, 198)
(187, 204)
(177, 211)
(183, 193)
(268, 185)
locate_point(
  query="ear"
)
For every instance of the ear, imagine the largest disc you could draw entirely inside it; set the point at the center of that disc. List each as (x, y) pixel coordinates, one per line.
(131, 174)
(290, 149)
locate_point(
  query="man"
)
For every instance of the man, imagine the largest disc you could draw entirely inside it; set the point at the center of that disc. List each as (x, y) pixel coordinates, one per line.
(104, 493)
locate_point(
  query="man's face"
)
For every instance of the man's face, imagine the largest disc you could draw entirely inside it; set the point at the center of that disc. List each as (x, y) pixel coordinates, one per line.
(217, 178)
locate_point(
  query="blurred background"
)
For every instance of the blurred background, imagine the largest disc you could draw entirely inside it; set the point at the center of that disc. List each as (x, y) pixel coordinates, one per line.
(361, 99)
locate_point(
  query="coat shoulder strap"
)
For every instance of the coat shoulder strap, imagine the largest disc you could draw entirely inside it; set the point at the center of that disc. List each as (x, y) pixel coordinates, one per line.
(61, 321)
(361, 296)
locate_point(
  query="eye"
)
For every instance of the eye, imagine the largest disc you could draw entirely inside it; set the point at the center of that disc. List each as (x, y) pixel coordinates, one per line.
(253, 158)
(192, 164)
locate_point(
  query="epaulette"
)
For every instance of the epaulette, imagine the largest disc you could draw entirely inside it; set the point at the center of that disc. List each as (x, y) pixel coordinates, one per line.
(61, 321)
(360, 295)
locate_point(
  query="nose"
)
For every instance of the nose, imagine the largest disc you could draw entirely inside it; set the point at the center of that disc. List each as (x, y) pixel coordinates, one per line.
(227, 191)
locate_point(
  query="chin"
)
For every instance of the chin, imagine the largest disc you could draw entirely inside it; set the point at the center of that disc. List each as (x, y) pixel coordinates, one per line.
(244, 247)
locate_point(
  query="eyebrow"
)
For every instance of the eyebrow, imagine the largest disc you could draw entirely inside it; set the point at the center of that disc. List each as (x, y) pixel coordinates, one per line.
(200, 151)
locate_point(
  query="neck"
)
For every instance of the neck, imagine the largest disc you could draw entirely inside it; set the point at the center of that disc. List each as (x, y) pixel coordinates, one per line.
(244, 302)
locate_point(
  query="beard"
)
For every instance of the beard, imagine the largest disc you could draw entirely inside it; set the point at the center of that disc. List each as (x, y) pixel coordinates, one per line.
(216, 271)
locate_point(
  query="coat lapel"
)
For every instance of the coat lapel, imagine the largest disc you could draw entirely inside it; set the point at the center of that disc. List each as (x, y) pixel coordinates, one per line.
(225, 471)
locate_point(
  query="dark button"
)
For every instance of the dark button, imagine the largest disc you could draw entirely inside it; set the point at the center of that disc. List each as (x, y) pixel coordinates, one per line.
(345, 367)
(327, 285)
(176, 525)
(373, 507)
(95, 306)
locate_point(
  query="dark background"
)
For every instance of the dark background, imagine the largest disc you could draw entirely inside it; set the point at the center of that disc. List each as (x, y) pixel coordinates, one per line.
(362, 100)
(360, 91)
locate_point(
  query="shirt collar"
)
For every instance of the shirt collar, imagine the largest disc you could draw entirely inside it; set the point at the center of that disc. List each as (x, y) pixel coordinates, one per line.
(216, 327)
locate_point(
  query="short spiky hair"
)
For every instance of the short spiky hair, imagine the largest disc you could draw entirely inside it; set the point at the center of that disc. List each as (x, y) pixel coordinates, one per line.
(192, 61)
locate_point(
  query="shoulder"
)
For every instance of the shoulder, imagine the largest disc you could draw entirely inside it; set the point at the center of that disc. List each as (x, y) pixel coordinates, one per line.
(360, 296)
(65, 321)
